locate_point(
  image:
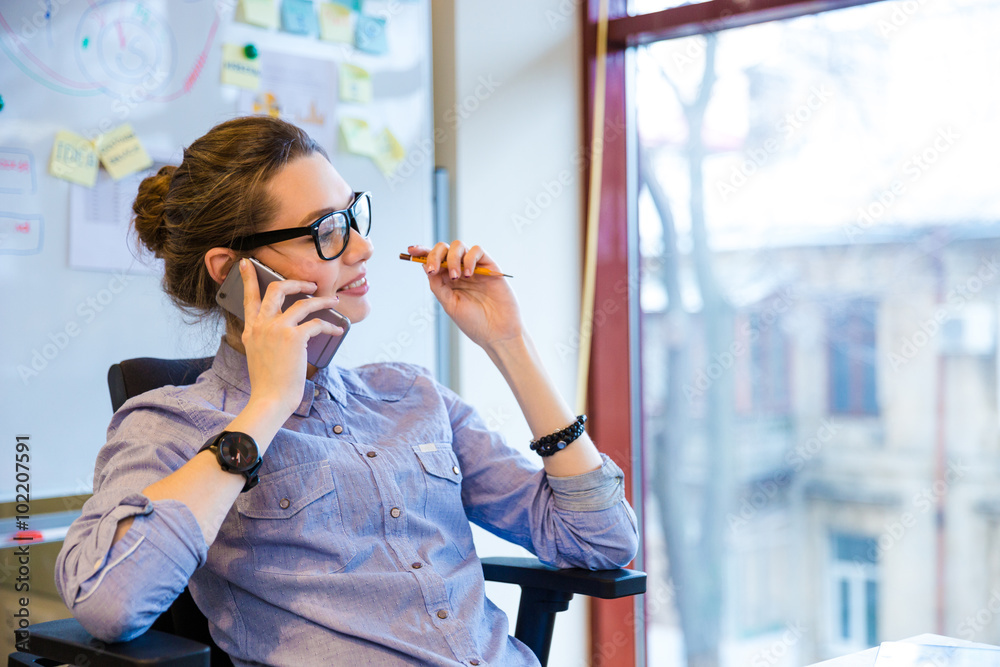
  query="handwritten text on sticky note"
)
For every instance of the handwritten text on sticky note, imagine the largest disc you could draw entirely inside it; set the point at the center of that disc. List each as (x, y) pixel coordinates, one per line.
(121, 152)
(237, 69)
(73, 159)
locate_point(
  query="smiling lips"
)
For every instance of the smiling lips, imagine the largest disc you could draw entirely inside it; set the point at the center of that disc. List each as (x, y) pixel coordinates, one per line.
(357, 288)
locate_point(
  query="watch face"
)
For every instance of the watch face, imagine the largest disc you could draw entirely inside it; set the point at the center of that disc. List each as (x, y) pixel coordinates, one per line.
(239, 451)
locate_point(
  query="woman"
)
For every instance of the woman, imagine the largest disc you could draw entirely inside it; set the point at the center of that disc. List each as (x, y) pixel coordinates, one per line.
(355, 545)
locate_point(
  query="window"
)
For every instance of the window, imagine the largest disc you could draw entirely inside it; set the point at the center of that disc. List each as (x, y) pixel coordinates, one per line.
(854, 601)
(852, 359)
(845, 161)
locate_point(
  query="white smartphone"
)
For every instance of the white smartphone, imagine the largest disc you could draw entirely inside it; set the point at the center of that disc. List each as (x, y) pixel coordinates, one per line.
(321, 348)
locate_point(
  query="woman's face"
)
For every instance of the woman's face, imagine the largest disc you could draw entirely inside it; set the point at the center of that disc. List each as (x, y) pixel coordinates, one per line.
(303, 190)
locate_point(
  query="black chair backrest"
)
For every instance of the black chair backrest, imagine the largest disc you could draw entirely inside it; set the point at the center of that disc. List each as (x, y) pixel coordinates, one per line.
(131, 378)
(136, 376)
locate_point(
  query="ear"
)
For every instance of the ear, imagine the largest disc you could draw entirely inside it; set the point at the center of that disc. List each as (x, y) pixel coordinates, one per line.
(219, 261)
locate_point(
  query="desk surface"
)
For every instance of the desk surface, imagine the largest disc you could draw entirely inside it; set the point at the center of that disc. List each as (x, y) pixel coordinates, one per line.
(867, 658)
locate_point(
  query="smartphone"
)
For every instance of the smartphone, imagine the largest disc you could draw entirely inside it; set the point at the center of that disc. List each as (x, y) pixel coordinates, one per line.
(321, 348)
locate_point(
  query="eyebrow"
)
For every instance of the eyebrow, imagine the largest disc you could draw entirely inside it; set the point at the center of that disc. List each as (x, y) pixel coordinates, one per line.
(316, 215)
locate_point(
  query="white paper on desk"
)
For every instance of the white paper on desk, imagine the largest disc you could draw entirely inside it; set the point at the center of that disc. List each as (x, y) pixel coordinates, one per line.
(908, 654)
(300, 90)
(99, 217)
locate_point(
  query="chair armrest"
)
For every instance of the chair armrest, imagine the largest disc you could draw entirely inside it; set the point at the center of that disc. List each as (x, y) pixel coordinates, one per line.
(67, 641)
(531, 573)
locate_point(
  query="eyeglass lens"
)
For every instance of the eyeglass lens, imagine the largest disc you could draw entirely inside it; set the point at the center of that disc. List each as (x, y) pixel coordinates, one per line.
(333, 233)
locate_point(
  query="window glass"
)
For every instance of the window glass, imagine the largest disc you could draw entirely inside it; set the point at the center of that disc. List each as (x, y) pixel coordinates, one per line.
(819, 230)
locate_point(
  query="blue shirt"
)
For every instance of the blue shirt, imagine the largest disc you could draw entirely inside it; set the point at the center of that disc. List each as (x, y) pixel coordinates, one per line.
(355, 547)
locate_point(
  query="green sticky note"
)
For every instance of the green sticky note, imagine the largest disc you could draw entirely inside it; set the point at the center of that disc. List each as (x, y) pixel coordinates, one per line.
(258, 12)
(335, 23)
(355, 84)
(299, 17)
(237, 69)
(369, 36)
(357, 137)
(389, 153)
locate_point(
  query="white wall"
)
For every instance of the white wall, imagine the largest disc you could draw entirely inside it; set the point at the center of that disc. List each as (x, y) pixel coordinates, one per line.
(507, 91)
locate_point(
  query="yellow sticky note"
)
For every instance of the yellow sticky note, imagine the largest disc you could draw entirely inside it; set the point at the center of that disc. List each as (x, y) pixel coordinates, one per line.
(258, 12)
(355, 84)
(237, 69)
(335, 23)
(73, 159)
(357, 137)
(121, 152)
(389, 153)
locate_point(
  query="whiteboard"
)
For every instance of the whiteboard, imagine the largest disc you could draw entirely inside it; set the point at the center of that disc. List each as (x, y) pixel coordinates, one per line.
(85, 67)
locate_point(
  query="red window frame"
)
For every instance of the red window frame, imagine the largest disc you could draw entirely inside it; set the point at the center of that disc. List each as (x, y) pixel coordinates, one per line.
(615, 631)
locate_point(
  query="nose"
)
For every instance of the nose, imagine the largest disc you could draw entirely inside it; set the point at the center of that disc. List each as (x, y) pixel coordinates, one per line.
(359, 249)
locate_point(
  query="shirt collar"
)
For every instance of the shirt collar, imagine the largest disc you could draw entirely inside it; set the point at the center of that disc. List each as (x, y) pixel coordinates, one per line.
(231, 367)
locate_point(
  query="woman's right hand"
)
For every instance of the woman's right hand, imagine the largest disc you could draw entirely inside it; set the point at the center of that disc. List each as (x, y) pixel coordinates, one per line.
(275, 341)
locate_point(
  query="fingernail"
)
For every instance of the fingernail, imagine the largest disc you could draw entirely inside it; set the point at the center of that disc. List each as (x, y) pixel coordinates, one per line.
(454, 274)
(243, 263)
(468, 273)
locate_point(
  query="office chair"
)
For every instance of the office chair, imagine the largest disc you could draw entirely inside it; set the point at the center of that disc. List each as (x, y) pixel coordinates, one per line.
(180, 637)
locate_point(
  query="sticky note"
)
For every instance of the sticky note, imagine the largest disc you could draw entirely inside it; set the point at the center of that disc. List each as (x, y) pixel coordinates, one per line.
(299, 17)
(335, 23)
(73, 159)
(355, 84)
(237, 69)
(370, 35)
(121, 152)
(389, 153)
(357, 137)
(353, 5)
(258, 12)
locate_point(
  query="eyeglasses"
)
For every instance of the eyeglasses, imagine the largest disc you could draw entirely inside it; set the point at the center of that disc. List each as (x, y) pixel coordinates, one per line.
(330, 233)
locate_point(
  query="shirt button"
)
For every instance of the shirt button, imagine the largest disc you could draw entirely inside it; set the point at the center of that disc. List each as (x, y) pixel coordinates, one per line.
(395, 512)
(338, 429)
(284, 503)
(455, 469)
(473, 662)
(416, 566)
(442, 613)
(371, 455)
(315, 392)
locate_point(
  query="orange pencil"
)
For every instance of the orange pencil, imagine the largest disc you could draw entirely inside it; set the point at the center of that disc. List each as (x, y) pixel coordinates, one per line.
(444, 265)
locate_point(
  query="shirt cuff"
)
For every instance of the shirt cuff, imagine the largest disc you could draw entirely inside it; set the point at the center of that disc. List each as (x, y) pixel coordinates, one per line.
(592, 491)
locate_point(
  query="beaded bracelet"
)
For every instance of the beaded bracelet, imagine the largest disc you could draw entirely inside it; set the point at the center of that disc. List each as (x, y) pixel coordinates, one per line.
(549, 444)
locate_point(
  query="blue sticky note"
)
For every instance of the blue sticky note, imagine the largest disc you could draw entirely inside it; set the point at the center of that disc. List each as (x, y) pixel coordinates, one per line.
(353, 5)
(299, 17)
(370, 35)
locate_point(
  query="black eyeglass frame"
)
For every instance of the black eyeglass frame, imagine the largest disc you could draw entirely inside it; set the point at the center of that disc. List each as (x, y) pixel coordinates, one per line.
(261, 239)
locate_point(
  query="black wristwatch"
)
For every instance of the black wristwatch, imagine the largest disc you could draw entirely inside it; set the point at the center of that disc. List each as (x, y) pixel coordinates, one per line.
(236, 453)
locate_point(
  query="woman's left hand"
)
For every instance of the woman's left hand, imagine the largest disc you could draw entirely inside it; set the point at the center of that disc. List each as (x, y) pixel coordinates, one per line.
(483, 307)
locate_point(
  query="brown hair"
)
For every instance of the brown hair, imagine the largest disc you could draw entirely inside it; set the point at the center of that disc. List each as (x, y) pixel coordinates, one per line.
(216, 194)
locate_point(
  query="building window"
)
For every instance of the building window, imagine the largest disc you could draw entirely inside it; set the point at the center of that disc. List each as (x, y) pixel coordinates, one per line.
(853, 608)
(852, 358)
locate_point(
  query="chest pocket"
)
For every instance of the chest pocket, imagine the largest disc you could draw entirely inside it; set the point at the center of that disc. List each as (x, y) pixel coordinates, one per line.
(293, 524)
(443, 501)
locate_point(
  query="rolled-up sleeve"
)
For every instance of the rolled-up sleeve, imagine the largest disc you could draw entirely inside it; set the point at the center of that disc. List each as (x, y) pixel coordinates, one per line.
(579, 521)
(117, 589)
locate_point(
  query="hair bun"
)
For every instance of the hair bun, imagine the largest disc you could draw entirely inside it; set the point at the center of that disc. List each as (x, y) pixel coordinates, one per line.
(149, 209)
